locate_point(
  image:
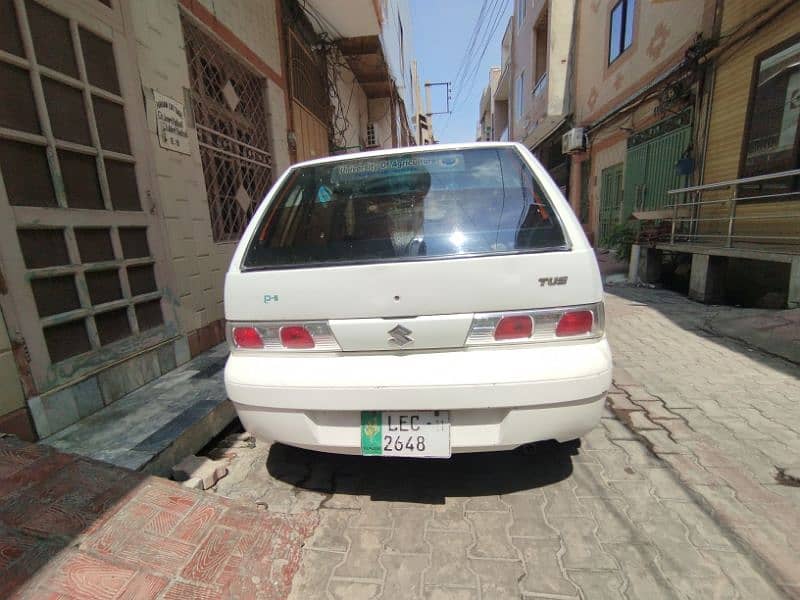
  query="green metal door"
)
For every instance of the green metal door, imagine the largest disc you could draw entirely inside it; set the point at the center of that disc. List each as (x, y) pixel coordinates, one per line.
(651, 164)
(635, 179)
(610, 201)
(662, 175)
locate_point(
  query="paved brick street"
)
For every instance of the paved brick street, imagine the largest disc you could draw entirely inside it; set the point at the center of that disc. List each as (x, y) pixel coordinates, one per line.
(72, 528)
(611, 521)
(724, 415)
(676, 495)
(697, 516)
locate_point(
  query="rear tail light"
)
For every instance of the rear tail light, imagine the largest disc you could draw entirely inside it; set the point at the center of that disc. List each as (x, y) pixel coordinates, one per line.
(247, 337)
(296, 337)
(514, 328)
(577, 322)
(305, 336)
(540, 325)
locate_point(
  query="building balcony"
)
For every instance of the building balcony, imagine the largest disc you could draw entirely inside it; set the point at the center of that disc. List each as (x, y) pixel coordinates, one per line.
(548, 103)
(541, 86)
(505, 49)
(485, 99)
(357, 31)
(503, 84)
(364, 56)
(359, 18)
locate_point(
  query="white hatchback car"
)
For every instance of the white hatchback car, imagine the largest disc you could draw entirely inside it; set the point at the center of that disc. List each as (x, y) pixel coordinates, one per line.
(416, 302)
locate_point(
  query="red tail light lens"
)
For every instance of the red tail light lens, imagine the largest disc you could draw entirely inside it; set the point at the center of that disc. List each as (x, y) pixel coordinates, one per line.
(575, 323)
(247, 337)
(513, 328)
(296, 337)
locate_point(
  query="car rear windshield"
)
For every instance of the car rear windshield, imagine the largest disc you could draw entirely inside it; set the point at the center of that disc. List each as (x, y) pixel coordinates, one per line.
(419, 205)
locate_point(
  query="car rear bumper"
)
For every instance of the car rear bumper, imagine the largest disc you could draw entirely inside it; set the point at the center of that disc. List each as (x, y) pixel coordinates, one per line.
(498, 398)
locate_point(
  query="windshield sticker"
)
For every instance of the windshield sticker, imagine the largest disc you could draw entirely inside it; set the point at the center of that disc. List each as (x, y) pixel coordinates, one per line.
(435, 163)
(324, 195)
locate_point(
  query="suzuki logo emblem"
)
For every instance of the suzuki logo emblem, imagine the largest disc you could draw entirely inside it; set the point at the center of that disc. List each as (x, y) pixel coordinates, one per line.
(400, 335)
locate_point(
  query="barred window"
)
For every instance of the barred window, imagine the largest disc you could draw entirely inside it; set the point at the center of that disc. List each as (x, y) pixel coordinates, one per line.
(229, 108)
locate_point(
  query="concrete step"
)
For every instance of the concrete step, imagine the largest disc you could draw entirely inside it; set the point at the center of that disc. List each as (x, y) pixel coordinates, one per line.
(154, 427)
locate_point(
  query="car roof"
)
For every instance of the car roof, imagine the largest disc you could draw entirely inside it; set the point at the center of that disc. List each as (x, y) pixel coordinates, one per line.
(404, 150)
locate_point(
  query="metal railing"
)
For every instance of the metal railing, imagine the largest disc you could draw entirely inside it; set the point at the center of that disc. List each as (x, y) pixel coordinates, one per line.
(540, 85)
(693, 219)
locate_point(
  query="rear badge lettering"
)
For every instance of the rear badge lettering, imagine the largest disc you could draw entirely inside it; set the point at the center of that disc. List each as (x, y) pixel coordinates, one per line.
(269, 298)
(551, 281)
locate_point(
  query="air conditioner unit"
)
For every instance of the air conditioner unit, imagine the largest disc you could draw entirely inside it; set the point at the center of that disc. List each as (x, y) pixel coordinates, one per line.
(573, 141)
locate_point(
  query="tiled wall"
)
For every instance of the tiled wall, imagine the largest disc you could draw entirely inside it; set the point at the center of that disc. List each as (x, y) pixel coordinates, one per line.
(13, 415)
(53, 412)
(198, 263)
(254, 22)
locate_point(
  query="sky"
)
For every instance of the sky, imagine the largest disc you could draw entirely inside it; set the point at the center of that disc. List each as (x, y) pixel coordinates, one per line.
(442, 31)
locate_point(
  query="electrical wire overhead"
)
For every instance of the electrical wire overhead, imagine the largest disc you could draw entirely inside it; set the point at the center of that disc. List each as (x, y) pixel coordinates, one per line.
(480, 43)
(489, 18)
(471, 43)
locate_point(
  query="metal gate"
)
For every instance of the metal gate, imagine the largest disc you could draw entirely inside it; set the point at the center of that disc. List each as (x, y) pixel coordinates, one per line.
(80, 251)
(229, 109)
(650, 164)
(610, 201)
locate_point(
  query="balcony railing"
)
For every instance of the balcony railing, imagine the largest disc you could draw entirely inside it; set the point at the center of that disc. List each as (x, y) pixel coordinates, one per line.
(753, 211)
(540, 85)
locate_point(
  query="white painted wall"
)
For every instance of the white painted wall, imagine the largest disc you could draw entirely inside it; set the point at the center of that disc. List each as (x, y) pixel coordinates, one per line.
(380, 114)
(399, 58)
(562, 16)
(354, 108)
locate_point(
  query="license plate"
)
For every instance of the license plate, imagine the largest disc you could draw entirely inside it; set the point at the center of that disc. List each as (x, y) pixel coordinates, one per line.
(424, 434)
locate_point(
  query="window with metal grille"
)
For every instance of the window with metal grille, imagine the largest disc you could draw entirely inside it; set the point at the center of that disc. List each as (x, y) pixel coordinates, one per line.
(64, 145)
(372, 139)
(229, 109)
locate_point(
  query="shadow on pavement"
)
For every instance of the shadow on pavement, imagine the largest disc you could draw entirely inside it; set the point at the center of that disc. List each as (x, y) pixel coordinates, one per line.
(427, 481)
(762, 334)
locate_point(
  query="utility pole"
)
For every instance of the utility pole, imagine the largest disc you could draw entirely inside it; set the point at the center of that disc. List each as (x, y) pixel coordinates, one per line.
(428, 86)
(429, 114)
